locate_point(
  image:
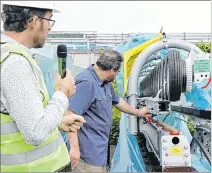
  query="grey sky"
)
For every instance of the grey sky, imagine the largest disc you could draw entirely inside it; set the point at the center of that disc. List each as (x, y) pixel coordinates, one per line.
(133, 16)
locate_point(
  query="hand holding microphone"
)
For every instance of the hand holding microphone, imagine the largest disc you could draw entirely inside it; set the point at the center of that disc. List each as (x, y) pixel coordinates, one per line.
(62, 58)
(66, 83)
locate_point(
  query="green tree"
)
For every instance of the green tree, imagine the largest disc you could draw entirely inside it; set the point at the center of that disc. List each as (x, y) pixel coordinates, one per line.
(116, 119)
(204, 47)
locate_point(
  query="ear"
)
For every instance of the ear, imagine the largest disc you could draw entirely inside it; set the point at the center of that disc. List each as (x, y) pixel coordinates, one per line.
(33, 22)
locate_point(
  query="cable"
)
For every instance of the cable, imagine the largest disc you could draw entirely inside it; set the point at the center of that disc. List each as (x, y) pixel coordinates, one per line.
(165, 117)
(168, 75)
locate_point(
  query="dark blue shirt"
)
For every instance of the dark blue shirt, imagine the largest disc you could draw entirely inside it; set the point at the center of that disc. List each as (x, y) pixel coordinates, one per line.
(93, 100)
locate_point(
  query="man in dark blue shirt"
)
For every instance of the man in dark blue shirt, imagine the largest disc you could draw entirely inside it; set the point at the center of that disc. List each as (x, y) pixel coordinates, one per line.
(93, 100)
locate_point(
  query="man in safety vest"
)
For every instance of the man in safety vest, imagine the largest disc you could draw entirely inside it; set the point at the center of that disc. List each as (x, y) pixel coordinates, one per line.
(30, 120)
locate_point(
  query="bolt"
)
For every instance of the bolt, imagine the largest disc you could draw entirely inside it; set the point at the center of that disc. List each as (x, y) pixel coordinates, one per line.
(165, 162)
(186, 154)
(165, 147)
(166, 154)
(164, 140)
(186, 161)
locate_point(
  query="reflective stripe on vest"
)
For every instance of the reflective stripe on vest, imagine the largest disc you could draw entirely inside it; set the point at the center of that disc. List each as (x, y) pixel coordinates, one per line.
(7, 128)
(16, 154)
(22, 158)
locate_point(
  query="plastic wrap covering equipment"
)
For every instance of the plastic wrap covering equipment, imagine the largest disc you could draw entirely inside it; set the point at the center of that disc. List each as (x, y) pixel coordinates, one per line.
(160, 87)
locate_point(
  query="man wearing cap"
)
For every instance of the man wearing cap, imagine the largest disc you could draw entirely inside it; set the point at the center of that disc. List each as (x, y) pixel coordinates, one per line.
(30, 120)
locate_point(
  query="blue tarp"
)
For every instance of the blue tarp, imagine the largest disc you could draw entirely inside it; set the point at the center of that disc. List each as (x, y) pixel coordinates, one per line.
(48, 62)
(177, 121)
(200, 98)
(127, 45)
(127, 156)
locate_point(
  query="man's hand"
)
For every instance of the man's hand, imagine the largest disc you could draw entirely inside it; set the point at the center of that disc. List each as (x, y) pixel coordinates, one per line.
(66, 85)
(71, 122)
(123, 106)
(144, 112)
(74, 156)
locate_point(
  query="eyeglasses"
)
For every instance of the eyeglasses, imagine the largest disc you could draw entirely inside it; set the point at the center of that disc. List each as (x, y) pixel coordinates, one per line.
(51, 22)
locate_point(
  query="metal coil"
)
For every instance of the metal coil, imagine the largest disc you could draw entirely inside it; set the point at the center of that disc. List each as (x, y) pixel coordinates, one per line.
(168, 75)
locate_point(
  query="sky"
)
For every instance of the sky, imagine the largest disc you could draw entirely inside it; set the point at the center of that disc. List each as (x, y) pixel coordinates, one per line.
(133, 16)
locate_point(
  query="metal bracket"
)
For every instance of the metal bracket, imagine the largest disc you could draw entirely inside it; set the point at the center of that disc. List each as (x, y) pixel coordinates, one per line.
(131, 94)
(202, 139)
(155, 105)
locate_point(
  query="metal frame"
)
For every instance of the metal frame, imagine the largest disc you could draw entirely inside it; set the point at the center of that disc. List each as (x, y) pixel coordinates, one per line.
(138, 64)
(153, 132)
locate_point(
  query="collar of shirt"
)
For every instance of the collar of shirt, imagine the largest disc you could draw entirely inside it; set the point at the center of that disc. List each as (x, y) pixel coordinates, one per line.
(8, 39)
(101, 83)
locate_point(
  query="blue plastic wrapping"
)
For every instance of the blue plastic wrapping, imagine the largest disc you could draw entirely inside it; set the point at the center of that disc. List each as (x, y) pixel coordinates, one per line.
(131, 160)
(131, 43)
(120, 82)
(134, 41)
(200, 164)
(177, 121)
(47, 60)
(127, 156)
(125, 46)
(200, 97)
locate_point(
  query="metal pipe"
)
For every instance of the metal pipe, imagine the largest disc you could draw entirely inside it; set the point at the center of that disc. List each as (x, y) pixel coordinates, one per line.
(144, 74)
(147, 65)
(139, 62)
(150, 64)
(148, 69)
(154, 57)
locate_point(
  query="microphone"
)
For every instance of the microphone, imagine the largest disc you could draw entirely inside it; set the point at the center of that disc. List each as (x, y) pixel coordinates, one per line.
(62, 56)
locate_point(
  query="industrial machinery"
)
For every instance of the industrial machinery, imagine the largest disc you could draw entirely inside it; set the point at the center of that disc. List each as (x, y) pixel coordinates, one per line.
(160, 83)
(161, 86)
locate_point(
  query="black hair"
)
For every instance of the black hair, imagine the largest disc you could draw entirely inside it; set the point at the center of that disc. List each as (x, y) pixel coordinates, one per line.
(17, 17)
(110, 59)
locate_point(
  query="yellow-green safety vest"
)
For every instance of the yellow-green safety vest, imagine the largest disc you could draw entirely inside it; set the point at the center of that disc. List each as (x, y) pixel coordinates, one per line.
(16, 154)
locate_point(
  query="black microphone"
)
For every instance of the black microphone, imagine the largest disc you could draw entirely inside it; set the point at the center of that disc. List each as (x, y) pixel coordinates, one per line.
(62, 56)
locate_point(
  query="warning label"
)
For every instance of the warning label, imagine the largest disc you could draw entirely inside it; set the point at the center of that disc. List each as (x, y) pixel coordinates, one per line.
(176, 151)
(201, 66)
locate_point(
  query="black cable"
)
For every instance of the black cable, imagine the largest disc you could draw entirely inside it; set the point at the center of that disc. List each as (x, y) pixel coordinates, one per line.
(171, 70)
(165, 117)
